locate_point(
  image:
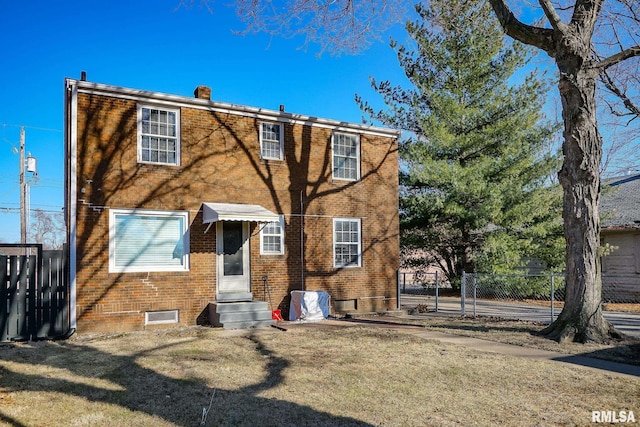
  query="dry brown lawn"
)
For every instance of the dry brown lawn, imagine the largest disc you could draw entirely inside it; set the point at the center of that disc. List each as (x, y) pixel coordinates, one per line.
(526, 334)
(306, 376)
(629, 308)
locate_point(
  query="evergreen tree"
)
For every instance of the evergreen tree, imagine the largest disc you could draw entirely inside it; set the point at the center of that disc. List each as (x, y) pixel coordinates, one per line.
(476, 167)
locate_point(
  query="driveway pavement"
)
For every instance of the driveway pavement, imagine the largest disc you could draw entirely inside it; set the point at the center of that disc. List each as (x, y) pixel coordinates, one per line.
(628, 323)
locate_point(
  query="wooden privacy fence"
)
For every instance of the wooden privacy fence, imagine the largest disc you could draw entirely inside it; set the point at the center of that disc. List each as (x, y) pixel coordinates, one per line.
(34, 293)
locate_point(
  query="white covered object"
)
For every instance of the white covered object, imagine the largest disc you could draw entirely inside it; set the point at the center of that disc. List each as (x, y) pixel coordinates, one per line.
(310, 306)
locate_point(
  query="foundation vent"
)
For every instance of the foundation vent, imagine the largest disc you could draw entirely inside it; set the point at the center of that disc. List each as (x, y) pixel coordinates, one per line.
(160, 317)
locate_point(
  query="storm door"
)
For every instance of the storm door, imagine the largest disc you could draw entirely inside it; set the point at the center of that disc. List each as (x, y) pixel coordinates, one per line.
(232, 256)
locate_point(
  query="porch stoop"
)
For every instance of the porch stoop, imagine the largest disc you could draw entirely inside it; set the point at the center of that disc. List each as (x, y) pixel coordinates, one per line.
(240, 315)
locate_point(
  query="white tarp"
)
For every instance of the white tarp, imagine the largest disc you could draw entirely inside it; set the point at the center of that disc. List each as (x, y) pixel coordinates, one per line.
(310, 306)
(213, 212)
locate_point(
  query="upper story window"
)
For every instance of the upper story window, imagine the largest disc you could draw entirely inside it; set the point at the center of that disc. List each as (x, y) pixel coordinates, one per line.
(346, 156)
(158, 135)
(271, 141)
(272, 238)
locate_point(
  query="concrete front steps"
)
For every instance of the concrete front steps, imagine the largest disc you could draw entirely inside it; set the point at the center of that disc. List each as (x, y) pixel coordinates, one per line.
(240, 315)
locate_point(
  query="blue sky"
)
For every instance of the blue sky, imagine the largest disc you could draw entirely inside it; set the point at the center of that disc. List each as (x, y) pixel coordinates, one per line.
(153, 46)
(159, 47)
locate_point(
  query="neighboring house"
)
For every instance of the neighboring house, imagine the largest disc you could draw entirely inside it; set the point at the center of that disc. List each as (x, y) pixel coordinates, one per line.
(620, 229)
(178, 205)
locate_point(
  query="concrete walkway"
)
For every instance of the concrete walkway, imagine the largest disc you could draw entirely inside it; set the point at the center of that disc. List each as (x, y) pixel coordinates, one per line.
(628, 323)
(477, 344)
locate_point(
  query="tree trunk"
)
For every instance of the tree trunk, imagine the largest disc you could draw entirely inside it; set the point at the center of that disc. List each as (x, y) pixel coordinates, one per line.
(570, 45)
(464, 258)
(581, 319)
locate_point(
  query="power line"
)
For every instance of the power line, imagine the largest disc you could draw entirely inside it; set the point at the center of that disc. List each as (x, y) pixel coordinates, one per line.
(10, 190)
(17, 210)
(58, 187)
(49, 179)
(32, 127)
(8, 205)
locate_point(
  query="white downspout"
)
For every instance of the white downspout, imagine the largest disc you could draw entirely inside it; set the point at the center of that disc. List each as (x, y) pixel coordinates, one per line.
(71, 122)
(302, 286)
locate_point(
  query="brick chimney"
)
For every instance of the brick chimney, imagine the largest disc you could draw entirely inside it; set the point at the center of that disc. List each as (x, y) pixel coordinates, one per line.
(203, 92)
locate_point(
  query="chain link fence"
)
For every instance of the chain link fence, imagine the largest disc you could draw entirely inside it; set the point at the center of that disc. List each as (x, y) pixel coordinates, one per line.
(421, 284)
(527, 297)
(537, 291)
(620, 289)
(528, 292)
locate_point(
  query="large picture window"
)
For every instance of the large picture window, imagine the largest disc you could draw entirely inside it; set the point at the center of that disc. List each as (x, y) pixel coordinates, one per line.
(158, 135)
(272, 238)
(142, 241)
(346, 242)
(346, 156)
(271, 137)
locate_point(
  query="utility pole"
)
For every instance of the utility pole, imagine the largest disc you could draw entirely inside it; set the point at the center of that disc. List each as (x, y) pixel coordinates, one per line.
(23, 191)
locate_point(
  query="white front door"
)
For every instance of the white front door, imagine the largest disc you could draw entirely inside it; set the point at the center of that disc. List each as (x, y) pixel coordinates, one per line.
(232, 256)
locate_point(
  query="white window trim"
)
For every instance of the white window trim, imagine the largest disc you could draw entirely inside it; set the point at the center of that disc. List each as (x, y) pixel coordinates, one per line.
(281, 126)
(359, 263)
(133, 269)
(178, 133)
(358, 176)
(281, 252)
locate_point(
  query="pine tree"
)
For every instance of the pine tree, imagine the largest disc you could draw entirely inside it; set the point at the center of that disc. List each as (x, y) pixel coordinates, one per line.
(476, 168)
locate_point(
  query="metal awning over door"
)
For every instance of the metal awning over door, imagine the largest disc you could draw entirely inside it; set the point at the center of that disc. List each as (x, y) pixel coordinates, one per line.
(214, 212)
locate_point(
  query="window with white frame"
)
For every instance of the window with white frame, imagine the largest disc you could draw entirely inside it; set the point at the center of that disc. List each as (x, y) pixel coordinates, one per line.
(346, 242)
(346, 156)
(158, 135)
(272, 238)
(144, 241)
(271, 141)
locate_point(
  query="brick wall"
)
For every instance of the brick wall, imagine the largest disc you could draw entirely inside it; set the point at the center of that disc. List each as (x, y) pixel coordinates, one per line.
(220, 162)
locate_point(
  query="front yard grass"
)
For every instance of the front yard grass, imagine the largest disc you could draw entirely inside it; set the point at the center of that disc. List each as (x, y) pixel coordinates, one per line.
(526, 334)
(306, 376)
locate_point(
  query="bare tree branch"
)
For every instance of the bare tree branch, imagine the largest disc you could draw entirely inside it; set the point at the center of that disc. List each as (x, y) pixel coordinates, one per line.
(541, 38)
(618, 57)
(552, 16)
(585, 16)
(610, 84)
(337, 26)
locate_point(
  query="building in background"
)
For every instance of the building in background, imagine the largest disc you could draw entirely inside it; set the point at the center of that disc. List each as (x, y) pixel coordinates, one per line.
(620, 233)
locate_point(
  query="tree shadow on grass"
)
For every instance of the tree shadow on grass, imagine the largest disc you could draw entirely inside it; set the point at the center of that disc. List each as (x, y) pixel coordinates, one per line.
(623, 358)
(88, 373)
(533, 329)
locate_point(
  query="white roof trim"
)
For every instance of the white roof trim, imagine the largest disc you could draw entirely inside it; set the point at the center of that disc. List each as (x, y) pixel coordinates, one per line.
(223, 107)
(213, 212)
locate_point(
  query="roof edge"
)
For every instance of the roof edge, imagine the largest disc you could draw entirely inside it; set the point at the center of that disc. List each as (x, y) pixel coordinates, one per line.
(91, 87)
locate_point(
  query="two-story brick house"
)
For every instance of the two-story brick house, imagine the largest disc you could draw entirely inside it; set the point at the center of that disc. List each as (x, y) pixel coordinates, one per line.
(175, 203)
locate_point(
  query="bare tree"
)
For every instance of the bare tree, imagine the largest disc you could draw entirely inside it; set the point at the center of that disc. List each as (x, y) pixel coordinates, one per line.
(336, 26)
(47, 228)
(581, 59)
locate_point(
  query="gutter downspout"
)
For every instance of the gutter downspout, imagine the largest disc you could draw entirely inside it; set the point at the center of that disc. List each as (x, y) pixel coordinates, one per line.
(302, 284)
(71, 135)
